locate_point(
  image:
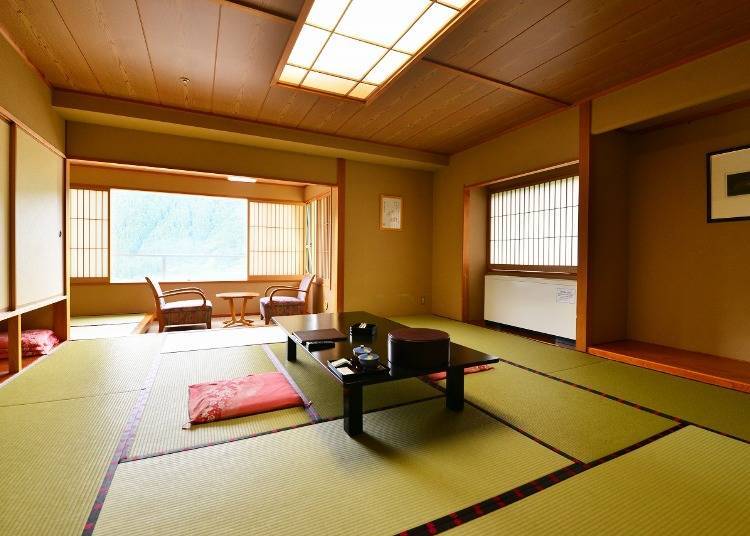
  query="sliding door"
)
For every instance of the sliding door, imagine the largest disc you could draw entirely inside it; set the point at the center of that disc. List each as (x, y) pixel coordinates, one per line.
(4, 215)
(39, 198)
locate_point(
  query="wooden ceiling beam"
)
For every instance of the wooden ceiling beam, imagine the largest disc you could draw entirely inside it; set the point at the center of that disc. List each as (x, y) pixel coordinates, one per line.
(263, 11)
(495, 82)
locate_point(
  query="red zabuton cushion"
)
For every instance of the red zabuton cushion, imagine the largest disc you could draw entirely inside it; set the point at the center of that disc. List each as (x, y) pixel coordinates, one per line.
(437, 376)
(257, 393)
(34, 342)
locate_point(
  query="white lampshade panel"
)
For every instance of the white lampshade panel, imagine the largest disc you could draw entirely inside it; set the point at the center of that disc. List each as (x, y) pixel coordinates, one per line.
(351, 47)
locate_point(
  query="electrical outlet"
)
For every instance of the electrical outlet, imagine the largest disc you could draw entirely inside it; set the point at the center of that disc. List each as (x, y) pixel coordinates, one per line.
(325, 306)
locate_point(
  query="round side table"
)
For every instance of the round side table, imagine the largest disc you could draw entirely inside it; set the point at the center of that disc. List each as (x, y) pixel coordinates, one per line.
(230, 297)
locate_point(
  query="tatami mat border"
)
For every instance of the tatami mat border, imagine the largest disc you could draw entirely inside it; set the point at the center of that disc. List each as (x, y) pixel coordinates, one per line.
(259, 434)
(123, 446)
(507, 498)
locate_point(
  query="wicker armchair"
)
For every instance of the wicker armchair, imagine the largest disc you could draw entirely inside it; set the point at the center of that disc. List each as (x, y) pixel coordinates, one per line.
(272, 305)
(183, 312)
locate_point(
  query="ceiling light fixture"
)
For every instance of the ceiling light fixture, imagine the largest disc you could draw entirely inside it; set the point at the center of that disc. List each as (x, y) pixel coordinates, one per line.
(238, 178)
(354, 48)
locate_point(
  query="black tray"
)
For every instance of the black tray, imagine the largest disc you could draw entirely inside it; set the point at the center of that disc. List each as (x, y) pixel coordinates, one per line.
(359, 374)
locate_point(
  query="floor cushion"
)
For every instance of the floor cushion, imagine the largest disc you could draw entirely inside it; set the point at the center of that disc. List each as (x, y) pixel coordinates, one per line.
(437, 376)
(257, 393)
(34, 342)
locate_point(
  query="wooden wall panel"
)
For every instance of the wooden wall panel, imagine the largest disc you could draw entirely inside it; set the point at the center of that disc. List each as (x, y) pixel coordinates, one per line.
(492, 124)
(414, 86)
(288, 107)
(181, 36)
(4, 215)
(489, 109)
(488, 27)
(638, 45)
(38, 28)
(547, 39)
(247, 52)
(110, 38)
(39, 221)
(329, 115)
(451, 98)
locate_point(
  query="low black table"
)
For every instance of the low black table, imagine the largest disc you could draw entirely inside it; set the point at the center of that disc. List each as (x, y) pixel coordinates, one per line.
(460, 358)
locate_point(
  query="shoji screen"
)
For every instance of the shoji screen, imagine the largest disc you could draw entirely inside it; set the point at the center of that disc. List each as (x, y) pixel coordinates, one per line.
(4, 214)
(39, 194)
(276, 241)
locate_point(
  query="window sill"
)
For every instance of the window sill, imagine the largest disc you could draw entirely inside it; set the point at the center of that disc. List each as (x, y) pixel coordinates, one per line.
(252, 279)
(537, 274)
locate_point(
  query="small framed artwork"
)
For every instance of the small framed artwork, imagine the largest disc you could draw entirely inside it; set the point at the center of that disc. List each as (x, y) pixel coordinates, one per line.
(390, 212)
(728, 184)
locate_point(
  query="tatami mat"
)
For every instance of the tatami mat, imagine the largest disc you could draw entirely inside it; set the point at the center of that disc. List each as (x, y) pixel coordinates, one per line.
(85, 368)
(714, 407)
(166, 411)
(53, 457)
(532, 354)
(186, 341)
(582, 424)
(77, 321)
(102, 331)
(414, 463)
(326, 393)
(690, 482)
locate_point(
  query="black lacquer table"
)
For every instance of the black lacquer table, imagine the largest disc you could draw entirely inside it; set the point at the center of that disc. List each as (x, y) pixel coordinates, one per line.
(460, 358)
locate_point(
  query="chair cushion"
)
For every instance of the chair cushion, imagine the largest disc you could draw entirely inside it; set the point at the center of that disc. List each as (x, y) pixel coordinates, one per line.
(283, 299)
(257, 393)
(185, 305)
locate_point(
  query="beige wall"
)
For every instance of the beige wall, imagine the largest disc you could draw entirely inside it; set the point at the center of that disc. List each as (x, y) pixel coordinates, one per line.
(39, 198)
(121, 298)
(108, 144)
(27, 97)
(689, 284)
(547, 142)
(608, 238)
(387, 272)
(710, 78)
(149, 180)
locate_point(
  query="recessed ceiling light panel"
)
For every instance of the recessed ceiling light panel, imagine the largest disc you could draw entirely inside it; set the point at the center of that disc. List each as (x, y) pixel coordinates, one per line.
(353, 48)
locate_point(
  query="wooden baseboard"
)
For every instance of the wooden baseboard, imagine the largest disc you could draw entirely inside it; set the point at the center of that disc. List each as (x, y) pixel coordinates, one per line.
(706, 368)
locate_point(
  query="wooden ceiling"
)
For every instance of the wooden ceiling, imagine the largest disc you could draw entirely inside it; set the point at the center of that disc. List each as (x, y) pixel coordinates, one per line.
(507, 62)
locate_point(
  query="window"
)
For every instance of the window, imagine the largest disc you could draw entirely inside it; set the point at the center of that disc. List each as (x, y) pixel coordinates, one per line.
(89, 233)
(535, 227)
(276, 238)
(177, 237)
(323, 236)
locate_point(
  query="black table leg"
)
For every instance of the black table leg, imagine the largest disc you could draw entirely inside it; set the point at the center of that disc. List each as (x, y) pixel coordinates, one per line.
(291, 350)
(353, 409)
(454, 395)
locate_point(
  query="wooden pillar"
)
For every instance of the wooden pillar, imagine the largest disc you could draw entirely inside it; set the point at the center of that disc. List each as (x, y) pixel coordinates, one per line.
(15, 353)
(465, 257)
(61, 319)
(584, 174)
(341, 185)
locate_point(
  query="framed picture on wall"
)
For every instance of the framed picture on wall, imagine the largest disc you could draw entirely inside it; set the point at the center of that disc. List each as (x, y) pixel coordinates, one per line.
(390, 212)
(728, 184)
